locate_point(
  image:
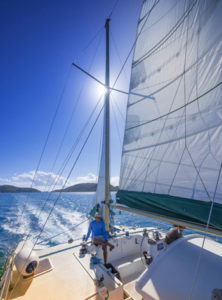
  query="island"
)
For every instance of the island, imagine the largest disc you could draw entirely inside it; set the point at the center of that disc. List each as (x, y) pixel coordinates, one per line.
(85, 187)
(15, 189)
(80, 187)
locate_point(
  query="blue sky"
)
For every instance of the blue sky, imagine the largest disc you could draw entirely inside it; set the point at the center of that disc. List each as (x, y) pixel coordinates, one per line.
(39, 41)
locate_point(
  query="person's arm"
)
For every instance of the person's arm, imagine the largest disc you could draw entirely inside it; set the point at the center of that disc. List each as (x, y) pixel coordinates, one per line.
(104, 232)
(89, 232)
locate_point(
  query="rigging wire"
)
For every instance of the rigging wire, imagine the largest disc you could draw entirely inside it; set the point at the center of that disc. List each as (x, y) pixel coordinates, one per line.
(64, 164)
(75, 144)
(57, 198)
(111, 88)
(167, 36)
(67, 159)
(117, 126)
(210, 213)
(53, 121)
(73, 111)
(118, 55)
(125, 61)
(43, 150)
(65, 231)
(101, 109)
(114, 7)
(120, 112)
(93, 39)
(134, 44)
(179, 108)
(172, 80)
(47, 137)
(137, 36)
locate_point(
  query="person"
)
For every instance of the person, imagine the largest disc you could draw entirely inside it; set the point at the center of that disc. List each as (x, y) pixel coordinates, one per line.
(174, 233)
(99, 235)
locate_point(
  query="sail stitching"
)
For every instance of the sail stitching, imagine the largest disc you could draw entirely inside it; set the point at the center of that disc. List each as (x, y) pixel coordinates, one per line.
(179, 108)
(167, 36)
(134, 44)
(169, 82)
(173, 140)
(153, 150)
(155, 147)
(170, 162)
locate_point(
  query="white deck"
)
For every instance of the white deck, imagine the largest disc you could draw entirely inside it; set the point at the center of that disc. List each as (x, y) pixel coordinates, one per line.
(71, 276)
(67, 279)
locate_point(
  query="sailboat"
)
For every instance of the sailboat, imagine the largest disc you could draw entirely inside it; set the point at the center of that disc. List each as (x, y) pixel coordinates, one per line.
(170, 171)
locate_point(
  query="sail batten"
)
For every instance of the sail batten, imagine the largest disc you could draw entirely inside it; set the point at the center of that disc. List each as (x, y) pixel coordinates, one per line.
(172, 145)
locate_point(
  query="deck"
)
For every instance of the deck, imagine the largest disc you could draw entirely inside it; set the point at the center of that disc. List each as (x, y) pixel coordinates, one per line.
(67, 279)
(65, 274)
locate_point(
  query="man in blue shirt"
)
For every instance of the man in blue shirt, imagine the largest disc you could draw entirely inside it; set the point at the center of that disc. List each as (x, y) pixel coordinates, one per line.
(99, 235)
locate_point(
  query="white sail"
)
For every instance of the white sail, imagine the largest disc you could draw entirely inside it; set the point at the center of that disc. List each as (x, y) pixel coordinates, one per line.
(172, 143)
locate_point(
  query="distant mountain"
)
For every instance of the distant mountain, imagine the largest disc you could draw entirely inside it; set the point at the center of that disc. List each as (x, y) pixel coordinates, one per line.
(85, 187)
(81, 187)
(15, 189)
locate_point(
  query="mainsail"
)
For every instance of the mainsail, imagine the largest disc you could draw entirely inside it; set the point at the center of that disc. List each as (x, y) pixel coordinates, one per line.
(172, 154)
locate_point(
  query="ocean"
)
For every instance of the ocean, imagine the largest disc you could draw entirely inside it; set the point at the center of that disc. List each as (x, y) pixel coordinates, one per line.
(23, 214)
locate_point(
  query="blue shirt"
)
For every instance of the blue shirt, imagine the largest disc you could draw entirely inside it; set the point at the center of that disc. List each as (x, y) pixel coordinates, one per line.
(97, 228)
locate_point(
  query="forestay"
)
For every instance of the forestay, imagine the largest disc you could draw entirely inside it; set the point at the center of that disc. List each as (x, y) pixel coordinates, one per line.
(172, 150)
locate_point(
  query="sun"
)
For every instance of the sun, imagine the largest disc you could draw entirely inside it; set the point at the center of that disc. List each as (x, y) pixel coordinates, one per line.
(101, 90)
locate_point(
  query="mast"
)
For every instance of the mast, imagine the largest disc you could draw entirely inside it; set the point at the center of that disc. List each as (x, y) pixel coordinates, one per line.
(107, 133)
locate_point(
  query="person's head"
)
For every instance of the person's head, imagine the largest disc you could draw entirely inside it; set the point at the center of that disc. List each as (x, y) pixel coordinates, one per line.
(98, 216)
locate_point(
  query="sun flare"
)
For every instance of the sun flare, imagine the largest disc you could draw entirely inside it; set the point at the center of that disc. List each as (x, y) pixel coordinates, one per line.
(101, 90)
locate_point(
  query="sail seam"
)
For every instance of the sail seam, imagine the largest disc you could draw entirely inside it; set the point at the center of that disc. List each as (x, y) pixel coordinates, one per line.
(177, 109)
(172, 140)
(169, 162)
(167, 36)
(178, 76)
(167, 185)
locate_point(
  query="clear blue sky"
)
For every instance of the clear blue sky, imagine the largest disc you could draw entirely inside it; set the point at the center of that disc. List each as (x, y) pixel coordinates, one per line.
(39, 41)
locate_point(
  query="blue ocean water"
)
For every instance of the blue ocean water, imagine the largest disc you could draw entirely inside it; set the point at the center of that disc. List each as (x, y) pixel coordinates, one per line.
(23, 214)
